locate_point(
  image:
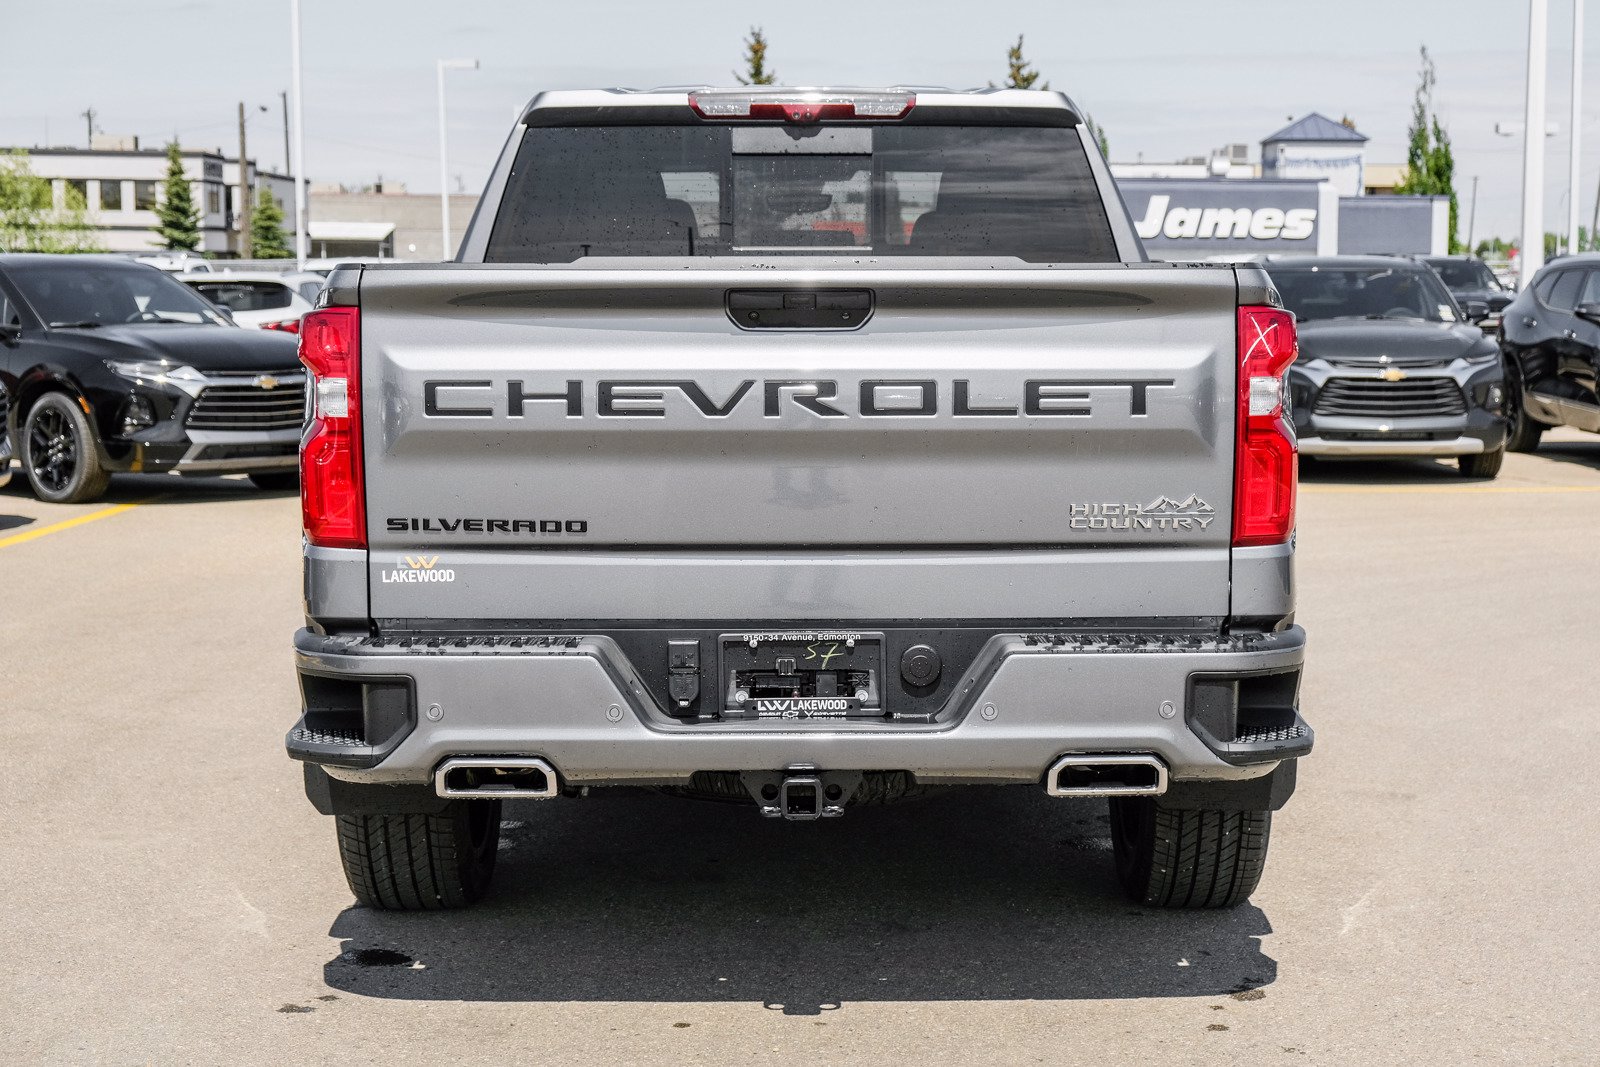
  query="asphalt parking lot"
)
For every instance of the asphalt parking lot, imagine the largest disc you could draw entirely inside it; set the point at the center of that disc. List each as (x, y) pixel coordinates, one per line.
(172, 898)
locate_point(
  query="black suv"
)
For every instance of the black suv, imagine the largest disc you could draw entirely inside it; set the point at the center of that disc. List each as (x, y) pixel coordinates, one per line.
(1390, 364)
(114, 366)
(1550, 337)
(1470, 281)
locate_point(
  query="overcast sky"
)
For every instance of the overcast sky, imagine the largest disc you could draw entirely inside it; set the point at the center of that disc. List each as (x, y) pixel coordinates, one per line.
(1166, 78)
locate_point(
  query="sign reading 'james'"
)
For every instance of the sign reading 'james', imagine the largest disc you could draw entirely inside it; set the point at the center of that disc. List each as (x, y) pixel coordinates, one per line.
(1184, 218)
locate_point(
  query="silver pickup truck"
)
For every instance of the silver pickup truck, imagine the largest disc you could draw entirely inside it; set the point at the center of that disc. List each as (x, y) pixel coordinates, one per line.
(805, 449)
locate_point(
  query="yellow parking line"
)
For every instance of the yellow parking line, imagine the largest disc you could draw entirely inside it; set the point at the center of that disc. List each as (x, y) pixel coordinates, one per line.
(1317, 490)
(67, 524)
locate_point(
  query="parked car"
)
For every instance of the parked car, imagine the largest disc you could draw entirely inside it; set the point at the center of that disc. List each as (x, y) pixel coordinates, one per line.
(1550, 337)
(260, 298)
(116, 366)
(173, 262)
(1470, 280)
(1389, 364)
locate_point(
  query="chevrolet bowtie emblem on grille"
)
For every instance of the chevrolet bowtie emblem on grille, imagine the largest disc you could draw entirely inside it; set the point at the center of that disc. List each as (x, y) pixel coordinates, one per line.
(421, 563)
(264, 381)
(1393, 374)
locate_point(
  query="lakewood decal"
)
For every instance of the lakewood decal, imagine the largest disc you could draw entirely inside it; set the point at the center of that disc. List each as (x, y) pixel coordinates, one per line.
(418, 569)
(1162, 513)
(1210, 223)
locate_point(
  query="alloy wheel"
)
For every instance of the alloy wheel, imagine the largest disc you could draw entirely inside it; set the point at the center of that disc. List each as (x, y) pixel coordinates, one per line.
(52, 450)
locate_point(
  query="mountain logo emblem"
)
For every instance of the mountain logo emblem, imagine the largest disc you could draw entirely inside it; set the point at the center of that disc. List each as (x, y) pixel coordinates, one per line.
(1165, 505)
(421, 563)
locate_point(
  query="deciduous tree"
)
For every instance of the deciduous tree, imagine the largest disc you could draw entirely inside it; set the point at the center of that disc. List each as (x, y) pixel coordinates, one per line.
(29, 219)
(1430, 162)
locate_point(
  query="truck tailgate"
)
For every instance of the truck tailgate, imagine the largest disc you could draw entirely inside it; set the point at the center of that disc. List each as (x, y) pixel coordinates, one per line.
(1054, 443)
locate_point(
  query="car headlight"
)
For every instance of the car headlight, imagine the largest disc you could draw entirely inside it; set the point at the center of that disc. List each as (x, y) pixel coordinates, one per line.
(157, 372)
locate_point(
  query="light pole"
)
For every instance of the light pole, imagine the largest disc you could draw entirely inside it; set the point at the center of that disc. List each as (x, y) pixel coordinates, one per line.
(444, 156)
(1577, 127)
(1531, 256)
(298, 163)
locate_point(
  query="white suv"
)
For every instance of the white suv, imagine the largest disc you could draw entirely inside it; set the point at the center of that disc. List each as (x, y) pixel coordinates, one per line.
(260, 298)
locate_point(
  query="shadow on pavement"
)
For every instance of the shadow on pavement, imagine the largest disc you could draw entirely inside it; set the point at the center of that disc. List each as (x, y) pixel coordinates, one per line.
(1579, 453)
(1323, 471)
(11, 522)
(973, 894)
(154, 489)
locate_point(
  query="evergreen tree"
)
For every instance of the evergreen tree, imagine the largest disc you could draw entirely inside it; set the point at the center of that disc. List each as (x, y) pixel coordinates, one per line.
(1430, 162)
(1020, 74)
(177, 215)
(267, 238)
(29, 221)
(755, 59)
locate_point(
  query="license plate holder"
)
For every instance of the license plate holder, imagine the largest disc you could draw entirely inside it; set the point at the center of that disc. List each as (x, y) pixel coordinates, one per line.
(801, 675)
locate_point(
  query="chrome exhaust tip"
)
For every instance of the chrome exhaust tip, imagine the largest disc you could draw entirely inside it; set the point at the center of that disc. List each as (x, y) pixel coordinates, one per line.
(497, 777)
(1129, 775)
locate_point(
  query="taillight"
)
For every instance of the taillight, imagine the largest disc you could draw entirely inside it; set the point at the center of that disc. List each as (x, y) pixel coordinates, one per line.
(332, 497)
(1266, 459)
(801, 105)
(286, 325)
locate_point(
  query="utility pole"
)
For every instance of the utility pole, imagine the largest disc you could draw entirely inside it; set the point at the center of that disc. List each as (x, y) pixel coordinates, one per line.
(1472, 212)
(245, 197)
(283, 98)
(88, 116)
(1577, 127)
(446, 251)
(1531, 255)
(297, 162)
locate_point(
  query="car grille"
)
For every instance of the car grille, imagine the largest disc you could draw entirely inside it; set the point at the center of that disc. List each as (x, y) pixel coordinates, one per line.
(1378, 399)
(249, 407)
(1374, 363)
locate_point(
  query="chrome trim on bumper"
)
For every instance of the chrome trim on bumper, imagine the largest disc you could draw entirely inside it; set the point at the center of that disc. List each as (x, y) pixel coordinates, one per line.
(441, 784)
(1052, 778)
(200, 440)
(1460, 446)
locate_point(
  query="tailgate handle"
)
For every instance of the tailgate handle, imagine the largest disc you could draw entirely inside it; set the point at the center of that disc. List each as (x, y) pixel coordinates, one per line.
(799, 309)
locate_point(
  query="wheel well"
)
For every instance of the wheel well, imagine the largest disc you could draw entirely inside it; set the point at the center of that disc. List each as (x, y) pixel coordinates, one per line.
(29, 394)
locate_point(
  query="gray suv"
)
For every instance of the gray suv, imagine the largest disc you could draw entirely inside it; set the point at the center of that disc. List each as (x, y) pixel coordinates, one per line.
(1390, 365)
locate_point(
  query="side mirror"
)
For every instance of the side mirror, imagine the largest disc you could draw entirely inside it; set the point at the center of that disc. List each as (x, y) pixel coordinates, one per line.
(1476, 310)
(1589, 312)
(10, 333)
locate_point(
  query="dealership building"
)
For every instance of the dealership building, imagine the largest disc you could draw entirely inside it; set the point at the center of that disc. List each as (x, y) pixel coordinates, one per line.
(1311, 194)
(121, 183)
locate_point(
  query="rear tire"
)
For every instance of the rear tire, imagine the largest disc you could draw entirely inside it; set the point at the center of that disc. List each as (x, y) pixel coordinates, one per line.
(421, 862)
(1482, 465)
(276, 481)
(59, 452)
(1167, 858)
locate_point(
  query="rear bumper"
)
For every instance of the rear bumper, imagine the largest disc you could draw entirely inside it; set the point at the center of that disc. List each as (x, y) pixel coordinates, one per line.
(1026, 700)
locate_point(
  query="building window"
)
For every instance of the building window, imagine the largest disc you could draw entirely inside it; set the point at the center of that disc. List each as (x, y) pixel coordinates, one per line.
(213, 200)
(144, 196)
(110, 196)
(76, 193)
